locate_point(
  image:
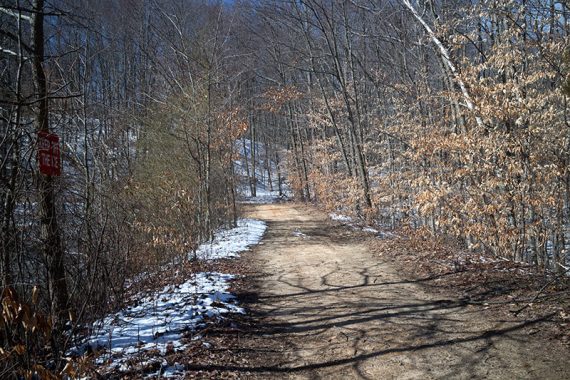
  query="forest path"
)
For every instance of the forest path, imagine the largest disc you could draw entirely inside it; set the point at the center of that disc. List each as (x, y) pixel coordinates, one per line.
(341, 312)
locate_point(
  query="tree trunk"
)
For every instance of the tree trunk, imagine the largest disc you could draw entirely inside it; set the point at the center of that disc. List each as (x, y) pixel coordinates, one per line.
(50, 233)
(253, 137)
(446, 59)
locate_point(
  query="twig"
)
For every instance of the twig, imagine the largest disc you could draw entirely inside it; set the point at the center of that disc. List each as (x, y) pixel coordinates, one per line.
(517, 312)
(537, 295)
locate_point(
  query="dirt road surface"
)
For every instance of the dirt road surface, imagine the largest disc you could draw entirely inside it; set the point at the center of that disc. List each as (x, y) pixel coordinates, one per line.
(341, 312)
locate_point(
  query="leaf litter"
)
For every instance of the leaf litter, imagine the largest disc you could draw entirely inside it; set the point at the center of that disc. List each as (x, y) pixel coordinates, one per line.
(512, 289)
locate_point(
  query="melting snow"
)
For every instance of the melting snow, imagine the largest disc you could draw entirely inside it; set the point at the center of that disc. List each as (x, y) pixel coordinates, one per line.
(266, 185)
(298, 233)
(347, 220)
(157, 322)
(340, 218)
(264, 197)
(229, 243)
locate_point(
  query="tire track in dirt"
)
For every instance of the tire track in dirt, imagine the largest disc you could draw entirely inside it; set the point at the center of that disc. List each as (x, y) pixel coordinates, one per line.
(341, 312)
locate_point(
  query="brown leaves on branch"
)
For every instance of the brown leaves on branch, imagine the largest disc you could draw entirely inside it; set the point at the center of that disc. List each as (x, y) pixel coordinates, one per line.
(276, 97)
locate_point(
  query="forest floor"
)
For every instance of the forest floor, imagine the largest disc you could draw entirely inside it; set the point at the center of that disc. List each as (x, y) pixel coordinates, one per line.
(327, 301)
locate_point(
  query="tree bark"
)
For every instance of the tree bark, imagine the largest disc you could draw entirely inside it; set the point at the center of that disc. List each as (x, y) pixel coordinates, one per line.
(446, 58)
(50, 233)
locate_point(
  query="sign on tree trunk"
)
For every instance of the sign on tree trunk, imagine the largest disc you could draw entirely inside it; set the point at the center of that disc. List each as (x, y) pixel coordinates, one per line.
(48, 153)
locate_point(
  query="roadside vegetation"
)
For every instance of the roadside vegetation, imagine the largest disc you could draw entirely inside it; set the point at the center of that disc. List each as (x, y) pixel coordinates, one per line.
(447, 120)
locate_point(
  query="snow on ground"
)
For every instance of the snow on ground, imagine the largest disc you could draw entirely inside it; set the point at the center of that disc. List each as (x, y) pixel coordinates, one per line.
(262, 197)
(264, 191)
(347, 220)
(267, 186)
(229, 243)
(298, 233)
(340, 218)
(160, 322)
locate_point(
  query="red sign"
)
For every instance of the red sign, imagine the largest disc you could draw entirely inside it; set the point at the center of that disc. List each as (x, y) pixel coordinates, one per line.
(48, 153)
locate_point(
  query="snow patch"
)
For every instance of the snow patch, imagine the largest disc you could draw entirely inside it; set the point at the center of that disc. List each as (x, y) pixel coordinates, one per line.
(175, 371)
(347, 220)
(229, 243)
(161, 322)
(158, 321)
(340, 218)
(264, 197)
(298, 233)
(267, 174)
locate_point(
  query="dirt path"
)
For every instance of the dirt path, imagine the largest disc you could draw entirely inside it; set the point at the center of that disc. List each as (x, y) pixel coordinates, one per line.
(340, 312)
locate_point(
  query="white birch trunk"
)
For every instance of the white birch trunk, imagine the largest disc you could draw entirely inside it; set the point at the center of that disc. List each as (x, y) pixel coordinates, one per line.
(446, 58)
